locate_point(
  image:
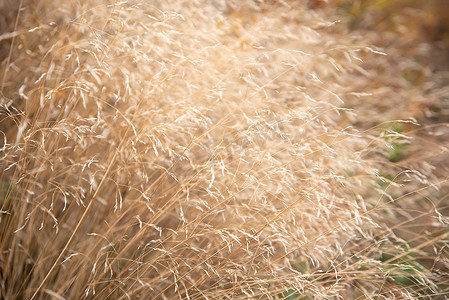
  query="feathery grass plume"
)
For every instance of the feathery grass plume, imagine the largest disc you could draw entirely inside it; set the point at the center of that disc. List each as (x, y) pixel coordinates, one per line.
(198, 150)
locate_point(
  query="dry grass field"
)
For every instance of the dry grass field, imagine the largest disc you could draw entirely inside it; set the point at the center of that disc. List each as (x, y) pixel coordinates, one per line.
(198, 149)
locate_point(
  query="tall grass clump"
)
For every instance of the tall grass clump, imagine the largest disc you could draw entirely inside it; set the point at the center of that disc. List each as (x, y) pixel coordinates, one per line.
(203, 150)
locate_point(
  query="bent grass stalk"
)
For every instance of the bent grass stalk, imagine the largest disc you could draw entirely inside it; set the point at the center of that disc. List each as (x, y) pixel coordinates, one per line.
(83, 216)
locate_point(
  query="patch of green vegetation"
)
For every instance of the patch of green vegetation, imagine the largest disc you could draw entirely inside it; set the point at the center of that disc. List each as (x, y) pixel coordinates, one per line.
(399, 260)
(384, 180)
(293, 295)
(5, 189)
(396, 152)
(7, 192)
(301, 266)
(396, 143)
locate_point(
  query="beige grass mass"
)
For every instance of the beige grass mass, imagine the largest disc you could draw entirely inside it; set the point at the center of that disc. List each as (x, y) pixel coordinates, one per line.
(204, 150)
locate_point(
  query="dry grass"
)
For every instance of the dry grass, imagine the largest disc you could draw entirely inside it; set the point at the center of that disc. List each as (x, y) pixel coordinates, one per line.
(202, 149)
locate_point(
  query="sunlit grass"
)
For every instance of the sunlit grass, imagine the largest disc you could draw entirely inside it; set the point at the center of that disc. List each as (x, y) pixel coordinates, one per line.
(195, 149)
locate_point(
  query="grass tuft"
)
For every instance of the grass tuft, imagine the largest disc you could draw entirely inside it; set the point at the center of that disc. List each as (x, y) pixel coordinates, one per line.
(212, 149)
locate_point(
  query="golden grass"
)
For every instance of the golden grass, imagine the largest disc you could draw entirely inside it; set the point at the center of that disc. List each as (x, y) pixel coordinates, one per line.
(204, 150)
